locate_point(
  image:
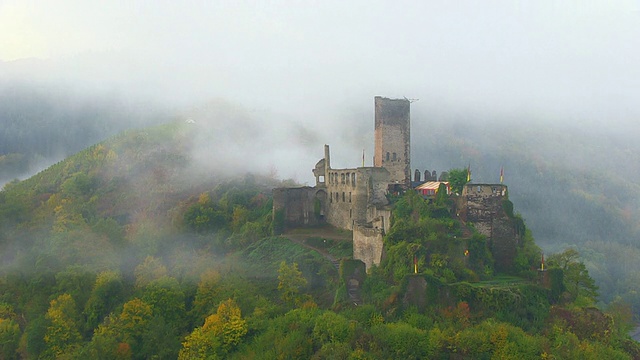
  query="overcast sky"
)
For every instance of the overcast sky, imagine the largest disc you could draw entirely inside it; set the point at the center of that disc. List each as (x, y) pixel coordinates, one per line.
(570, 61)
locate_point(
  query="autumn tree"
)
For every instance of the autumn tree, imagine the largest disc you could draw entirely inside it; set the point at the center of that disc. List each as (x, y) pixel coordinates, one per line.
(63, 332)
(220, 333)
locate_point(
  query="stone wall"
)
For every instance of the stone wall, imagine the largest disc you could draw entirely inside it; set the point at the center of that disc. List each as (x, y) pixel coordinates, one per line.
(351, 192)
(482, 205)
(302, 206)
(368, 245)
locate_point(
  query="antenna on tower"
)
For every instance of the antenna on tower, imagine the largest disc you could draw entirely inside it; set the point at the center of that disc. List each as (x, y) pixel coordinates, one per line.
(410, 100)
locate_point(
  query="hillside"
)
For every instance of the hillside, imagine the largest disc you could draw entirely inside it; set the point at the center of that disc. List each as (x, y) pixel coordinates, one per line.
(132, 249)
(575, 187)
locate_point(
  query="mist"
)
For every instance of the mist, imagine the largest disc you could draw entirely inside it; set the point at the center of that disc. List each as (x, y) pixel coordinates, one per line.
(547, 90)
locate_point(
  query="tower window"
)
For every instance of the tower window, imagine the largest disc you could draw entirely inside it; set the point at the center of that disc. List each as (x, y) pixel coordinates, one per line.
(343, 197)
(394, 156)
(353, 179)
(342, 177)
(387, 156)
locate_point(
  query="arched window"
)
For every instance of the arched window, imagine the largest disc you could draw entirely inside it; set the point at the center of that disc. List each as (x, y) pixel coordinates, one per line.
(349, 196)
(387, 156)
(394, 156)
(342, 178)
(353, 179)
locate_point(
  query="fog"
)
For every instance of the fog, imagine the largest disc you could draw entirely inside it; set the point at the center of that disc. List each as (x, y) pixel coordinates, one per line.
(548, 90)
(270, 83)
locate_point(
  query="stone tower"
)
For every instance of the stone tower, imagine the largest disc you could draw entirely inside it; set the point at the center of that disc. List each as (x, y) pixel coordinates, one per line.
(392, 138)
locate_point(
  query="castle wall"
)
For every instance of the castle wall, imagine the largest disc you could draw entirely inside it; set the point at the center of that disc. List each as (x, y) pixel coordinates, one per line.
(482, 205)
(300, 206)
(351, 192)
(367, 245)
(392, 138)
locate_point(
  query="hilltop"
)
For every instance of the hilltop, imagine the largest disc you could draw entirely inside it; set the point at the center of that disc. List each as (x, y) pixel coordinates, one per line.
(133, 226)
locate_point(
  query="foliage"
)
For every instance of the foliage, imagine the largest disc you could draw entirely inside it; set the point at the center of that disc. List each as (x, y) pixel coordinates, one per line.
(457, 180)
(290, 283)
(63, 332)
(577, 282)
(220, 333)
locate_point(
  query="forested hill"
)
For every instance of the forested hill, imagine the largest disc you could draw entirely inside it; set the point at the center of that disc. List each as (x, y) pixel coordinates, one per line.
(43, 124)
(133, 249)
(575, 186)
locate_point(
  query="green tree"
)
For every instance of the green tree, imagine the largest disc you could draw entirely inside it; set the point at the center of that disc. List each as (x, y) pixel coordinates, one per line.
(577, 281)
(167, 299)
(9, 338)
(150, 269)
(457, 180)
(290, 281)
(107, 293)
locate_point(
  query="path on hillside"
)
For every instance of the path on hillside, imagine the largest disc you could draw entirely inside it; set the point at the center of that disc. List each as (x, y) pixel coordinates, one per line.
(329, 234)
(300, 238)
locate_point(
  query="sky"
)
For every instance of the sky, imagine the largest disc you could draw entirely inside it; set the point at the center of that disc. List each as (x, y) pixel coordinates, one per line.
(320, 63)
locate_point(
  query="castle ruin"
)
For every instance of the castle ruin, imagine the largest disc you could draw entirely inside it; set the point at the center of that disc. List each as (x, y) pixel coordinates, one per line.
(356, 198)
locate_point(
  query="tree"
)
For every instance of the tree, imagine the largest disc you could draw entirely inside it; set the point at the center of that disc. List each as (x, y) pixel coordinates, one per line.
(220, 333)
(150, 269)
(167, 300)
(290, 281)
(457, 180)
(63, 332)
(206, 295)
(107, 293)
(575, 275)
(9, 338)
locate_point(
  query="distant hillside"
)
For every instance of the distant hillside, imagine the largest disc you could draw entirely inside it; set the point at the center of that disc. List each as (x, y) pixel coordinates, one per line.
(41, 125)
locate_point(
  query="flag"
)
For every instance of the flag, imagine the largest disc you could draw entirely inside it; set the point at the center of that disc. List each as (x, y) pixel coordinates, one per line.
(469, 172)
(501, 174)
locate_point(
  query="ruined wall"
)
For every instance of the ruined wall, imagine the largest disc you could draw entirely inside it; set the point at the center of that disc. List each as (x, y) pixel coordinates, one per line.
(351, 192)
(482, 205)
(392, 138)
(367, 245)
(299, 206)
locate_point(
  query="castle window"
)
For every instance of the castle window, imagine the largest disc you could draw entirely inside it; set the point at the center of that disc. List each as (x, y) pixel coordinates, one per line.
(350, 213)
(342, 178)
(343, 197)
(394, 156)
(387, 156)
(337, 197)
(349, 196)
(353, 179)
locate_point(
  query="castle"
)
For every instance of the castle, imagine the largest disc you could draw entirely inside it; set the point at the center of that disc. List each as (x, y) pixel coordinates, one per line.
(356, 198)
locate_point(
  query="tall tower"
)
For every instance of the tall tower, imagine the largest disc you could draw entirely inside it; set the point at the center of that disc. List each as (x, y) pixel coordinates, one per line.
(392, 138)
